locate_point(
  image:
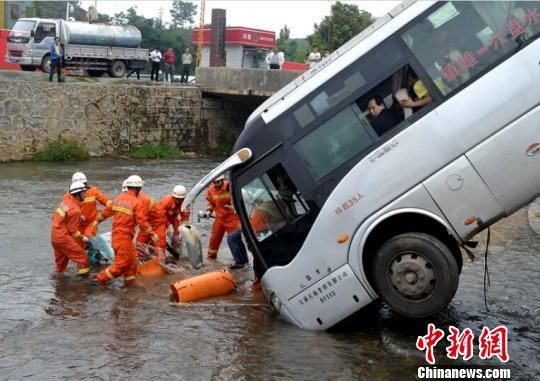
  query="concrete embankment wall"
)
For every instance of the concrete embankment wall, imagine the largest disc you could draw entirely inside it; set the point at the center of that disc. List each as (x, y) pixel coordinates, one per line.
(111, 118)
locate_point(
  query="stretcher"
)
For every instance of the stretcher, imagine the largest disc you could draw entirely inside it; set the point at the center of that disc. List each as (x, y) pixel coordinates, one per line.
(100, 250)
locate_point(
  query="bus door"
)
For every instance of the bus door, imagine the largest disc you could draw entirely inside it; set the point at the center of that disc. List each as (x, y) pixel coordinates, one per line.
(278, 216)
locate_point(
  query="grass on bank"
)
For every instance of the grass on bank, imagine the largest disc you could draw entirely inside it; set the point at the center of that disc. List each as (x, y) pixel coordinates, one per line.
(62, 150)
(156, 151)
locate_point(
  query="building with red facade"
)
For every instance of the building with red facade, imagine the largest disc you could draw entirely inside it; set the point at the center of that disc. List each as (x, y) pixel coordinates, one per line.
(244, 47)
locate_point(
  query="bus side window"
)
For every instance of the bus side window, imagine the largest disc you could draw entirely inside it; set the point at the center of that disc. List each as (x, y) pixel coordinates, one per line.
(461, 40)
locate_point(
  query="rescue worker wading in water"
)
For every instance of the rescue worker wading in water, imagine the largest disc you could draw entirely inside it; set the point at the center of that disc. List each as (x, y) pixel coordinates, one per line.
(167, 212)
(219, 201)
(151, 213)
(88, 224)
(66, 238)
(128, 211)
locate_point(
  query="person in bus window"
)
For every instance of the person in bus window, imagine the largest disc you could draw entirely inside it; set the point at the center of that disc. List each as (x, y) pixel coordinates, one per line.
(382, 119)
(529, 29)
(421, 95)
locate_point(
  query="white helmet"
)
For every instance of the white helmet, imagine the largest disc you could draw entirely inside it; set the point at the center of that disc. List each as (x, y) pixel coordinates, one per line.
(220, 177)
(179, 191)
(134, 181)
(124, 186)
(77, 187)
(79, 176)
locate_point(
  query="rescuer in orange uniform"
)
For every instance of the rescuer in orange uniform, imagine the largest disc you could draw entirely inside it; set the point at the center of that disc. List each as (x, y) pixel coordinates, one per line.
(88, 224)
(65, 234)
(166, 212)
(128, 211)
(151, 210)
(219, 200)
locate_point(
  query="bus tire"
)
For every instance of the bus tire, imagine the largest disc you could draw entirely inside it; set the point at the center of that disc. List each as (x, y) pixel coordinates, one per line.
(118, 69)
(46, 64)
(415, 274)
(28, 68)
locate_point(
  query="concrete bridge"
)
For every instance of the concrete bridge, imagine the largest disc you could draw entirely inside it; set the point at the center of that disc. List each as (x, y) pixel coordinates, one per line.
(254, 83)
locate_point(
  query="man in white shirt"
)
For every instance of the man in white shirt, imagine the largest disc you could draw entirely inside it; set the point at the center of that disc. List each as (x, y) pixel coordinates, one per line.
(155, 57)
(314, 57)
(275, 59)
(187, 60)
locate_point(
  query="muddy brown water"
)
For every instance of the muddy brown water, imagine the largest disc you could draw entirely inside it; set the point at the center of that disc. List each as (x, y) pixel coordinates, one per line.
(65, 328)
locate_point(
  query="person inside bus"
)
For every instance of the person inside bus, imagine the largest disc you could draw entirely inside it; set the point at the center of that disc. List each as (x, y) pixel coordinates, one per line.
(420, 95)
(381, 118)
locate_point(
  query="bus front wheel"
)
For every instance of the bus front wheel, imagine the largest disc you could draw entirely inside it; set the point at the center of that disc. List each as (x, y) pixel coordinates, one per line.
(415, 274)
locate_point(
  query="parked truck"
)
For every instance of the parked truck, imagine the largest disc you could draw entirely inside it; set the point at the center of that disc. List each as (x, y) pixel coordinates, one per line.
(96, 48)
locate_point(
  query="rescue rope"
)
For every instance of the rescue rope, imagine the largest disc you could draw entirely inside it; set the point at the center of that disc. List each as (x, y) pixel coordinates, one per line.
(486, 270)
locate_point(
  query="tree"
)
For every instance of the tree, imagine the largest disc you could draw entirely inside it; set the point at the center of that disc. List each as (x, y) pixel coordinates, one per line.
(182, 13)
(55, 10)
(345, 22)
(287, 45)
(283, 39)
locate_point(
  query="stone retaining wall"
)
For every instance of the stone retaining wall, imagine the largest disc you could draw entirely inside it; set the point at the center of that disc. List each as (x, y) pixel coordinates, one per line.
(111, 118)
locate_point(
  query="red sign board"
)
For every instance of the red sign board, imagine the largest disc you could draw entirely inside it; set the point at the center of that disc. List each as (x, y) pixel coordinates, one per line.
(239, 36)
(4, 34)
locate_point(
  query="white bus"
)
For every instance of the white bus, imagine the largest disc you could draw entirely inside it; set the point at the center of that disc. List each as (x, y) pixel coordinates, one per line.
(347, 195)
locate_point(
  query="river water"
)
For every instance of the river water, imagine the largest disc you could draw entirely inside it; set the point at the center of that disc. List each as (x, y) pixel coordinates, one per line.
(67, 328)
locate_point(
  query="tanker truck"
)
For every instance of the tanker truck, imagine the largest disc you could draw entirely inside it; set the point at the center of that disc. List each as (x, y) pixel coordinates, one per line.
(96, 48)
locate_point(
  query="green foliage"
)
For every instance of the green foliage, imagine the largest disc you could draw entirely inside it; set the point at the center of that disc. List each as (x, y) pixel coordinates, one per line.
(285, 44)
(86, 79)
(345, 22)
(62, 150)
(56, 10)
(156, 151)
(283, 39)
(182, 13)
(154, 35)
(225, 141)
(301, 54)
(104, 19)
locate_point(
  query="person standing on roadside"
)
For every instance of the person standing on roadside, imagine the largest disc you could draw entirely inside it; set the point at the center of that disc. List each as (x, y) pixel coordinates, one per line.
(187, 60)
(275, 59)
(155, 57)
(170, 59)
(56, 52)
(314, 57)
